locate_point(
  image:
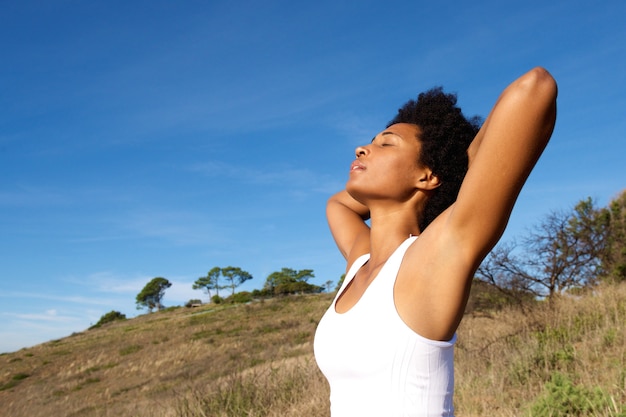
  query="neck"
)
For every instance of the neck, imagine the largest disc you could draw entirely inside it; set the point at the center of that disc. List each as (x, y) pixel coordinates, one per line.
(389, 228)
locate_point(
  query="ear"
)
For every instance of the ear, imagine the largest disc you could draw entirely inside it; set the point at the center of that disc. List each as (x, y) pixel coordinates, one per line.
(428, 180)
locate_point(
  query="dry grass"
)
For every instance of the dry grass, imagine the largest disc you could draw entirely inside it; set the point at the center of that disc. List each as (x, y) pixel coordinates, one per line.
(257, 360)
(504, 360)
(161, 364)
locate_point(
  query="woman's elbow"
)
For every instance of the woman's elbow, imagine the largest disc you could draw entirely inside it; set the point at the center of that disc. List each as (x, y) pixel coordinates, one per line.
(540, 83)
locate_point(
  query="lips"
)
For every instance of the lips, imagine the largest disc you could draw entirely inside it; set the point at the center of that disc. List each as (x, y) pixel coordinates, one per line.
(357, 166)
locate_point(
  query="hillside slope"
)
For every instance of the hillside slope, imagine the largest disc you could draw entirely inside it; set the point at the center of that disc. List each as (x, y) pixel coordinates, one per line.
(147, 365)
(566, 358)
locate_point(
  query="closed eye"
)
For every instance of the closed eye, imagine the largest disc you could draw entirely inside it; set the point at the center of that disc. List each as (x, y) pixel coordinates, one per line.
(385, 139)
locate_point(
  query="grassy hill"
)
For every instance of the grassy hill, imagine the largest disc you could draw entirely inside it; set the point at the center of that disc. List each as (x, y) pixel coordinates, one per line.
(257, 360)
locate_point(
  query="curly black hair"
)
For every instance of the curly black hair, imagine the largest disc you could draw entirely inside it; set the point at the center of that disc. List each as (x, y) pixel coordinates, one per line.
(445, 136)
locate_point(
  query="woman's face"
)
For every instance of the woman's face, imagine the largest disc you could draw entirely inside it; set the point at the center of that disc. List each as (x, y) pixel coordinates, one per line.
(388, 167)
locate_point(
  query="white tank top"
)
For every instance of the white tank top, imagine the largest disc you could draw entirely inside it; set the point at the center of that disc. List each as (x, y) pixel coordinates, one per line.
(375, 364)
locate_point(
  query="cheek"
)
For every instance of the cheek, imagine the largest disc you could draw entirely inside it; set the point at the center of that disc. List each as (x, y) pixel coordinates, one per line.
(406, 171)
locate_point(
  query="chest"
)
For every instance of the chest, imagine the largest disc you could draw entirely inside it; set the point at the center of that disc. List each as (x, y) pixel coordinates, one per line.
(356, 288)
(362, 342)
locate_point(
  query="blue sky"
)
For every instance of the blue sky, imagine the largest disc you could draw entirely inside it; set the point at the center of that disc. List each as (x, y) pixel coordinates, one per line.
(142, 139)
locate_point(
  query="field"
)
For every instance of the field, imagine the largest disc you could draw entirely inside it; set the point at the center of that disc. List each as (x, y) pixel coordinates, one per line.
(566, 358)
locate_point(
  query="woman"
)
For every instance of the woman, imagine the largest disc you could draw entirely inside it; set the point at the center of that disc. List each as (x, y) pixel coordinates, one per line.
(386, 343)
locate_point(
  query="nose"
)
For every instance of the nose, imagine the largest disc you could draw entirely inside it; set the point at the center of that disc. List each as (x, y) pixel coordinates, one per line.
(361, 151)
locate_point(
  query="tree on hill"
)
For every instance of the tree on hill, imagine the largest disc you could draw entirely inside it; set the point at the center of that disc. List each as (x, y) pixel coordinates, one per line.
(152, 294)
(340, 282)
(209, 282)
(563, 252)
(614, 260)
(290, 281)
(235, 276)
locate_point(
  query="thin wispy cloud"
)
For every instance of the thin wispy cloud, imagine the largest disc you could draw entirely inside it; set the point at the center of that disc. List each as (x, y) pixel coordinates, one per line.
(71, 299)
(47, 316)
(298, 178)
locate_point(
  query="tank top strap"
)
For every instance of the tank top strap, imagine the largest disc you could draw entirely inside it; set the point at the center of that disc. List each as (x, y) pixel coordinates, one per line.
(396, 258)
(356, 265)
(389, 272)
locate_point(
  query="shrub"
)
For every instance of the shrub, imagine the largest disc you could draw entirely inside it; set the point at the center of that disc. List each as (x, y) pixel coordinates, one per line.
(561, 398)
(239, 298)
(298, 287)
(109, 317)
(262, 293)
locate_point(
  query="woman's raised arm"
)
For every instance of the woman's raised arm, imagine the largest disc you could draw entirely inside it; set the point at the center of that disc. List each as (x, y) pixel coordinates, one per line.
(346, 218)
(500, 159)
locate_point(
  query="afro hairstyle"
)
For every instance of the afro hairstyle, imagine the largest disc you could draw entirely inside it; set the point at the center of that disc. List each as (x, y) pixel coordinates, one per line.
(445, 136)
